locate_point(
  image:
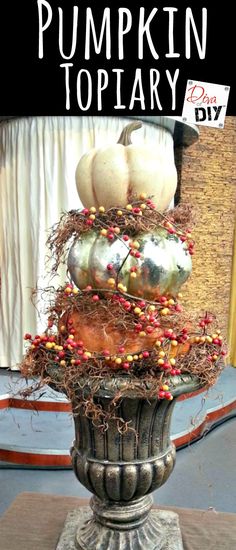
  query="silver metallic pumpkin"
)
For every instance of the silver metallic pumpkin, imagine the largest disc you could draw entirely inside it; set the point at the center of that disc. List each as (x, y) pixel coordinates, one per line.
(164, 265)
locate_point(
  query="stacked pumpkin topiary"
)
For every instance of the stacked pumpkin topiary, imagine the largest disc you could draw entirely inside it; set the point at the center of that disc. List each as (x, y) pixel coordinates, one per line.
(120, 314)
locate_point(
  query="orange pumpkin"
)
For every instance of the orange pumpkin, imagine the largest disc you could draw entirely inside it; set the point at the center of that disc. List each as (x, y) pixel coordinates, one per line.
(181, 349)
(99, 333)
(108, 334)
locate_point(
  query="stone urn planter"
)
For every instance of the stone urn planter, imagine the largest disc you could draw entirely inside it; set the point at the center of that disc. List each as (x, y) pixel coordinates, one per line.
(121, 470)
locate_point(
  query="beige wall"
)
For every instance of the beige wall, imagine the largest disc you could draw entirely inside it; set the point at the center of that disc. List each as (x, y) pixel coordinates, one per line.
(208, 182)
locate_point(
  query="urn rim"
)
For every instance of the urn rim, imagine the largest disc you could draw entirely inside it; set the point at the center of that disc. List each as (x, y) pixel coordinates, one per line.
(131, 388)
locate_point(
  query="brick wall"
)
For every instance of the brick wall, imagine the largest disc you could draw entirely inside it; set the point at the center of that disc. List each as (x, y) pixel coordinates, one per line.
(208, 182)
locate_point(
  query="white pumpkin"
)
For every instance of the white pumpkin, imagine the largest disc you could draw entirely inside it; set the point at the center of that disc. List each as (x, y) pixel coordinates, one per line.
(110, 176)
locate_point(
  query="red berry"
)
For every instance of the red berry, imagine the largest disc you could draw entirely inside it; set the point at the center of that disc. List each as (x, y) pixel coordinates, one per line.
(106, 352)
(109, 267)
(27, 336)
(85, 211)
(77, 362)
(208, 320)
(142, 303)
(168, 395)
(166, 366)
(173, 372)
(73, 344)
(61, 354)
(125, 237)
(36, 342)
(126, 366)
(149, 329)
(161, 394)
(177, 371)
(69, 341)
(80, 343)
(121, 349)
(95, 298)
(89, 222)
(110, 236)
(145, 354)
(142, 318)
(163, 299)
(137, 255)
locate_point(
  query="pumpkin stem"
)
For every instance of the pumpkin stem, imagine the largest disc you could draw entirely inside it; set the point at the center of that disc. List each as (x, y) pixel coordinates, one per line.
(125, 136)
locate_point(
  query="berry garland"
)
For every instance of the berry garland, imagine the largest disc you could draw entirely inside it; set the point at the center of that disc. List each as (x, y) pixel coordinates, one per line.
(119, 223)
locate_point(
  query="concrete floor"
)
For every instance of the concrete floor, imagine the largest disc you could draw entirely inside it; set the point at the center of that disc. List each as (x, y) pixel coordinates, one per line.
(204, 476)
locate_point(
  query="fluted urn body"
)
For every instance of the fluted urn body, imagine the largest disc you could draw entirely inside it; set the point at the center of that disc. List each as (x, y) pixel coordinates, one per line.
(121, 469)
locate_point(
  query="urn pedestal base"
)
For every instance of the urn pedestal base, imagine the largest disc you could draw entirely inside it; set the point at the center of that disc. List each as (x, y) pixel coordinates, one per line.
(159, 531)
(121, 470)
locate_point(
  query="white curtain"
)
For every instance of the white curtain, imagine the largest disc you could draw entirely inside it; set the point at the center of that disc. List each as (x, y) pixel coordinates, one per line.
(38, 158)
